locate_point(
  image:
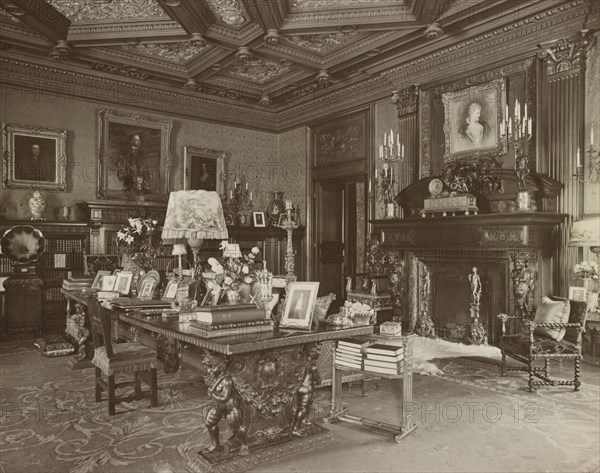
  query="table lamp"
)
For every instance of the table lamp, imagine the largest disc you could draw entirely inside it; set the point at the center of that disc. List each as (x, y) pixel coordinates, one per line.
(194, 215)
(586, 234)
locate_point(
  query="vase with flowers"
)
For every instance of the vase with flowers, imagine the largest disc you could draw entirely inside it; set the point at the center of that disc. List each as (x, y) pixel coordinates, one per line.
(232, 277)
(141, 243)
(586, 271)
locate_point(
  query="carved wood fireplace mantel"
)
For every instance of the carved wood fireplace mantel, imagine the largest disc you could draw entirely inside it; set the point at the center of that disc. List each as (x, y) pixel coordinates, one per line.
(429, 261)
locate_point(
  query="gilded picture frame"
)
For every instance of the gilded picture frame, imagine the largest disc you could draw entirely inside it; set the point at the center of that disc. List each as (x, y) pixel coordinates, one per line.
(472, 118)
(132, 145)
(300, 305)
(204, 169)
(34, 158)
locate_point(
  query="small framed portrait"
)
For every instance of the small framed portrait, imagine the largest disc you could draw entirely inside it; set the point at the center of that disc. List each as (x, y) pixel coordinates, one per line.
(170, 291)
(472, 120)
(577, 294)
(299, 305)
(203, 169)
(97, 284)
(123, 282)
(259, 219)
(229, 219)
(35, 158)
(147, 289)
(108, 282)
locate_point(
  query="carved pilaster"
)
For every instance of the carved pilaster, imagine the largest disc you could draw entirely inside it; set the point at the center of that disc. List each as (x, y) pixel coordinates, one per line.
(424, 325)
(565, 55)
(406, 100)
(523, 283)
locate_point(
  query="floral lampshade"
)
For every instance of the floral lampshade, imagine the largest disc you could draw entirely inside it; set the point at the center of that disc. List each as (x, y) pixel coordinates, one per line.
(194, 215)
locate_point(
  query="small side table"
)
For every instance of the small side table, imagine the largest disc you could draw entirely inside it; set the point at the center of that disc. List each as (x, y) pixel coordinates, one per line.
(339, 412)
(591, 337)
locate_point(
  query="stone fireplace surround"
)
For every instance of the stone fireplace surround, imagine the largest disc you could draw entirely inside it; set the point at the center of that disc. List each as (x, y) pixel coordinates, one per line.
(429, 259)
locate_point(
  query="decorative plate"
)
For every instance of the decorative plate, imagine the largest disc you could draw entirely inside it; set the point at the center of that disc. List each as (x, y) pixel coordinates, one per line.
(23, 244)
(435, 186)
(149, 276)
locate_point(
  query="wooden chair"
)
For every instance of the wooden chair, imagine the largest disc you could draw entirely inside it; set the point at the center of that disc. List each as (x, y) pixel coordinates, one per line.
(528, 347)
(120, 358)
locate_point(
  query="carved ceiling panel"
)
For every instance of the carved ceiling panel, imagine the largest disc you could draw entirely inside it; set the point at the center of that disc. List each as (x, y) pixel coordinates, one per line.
(230, 12)
(176, 52)
(320, 43)
(257, 70)
(117, 10)
(269, 53)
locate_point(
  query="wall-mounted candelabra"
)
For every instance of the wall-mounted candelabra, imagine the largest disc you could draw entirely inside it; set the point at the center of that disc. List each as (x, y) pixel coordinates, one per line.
(240, 202)
(593, 158)
(517, 131)
(390, 153)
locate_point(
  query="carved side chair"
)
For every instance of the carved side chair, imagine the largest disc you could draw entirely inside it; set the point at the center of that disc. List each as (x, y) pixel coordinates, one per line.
(121, 358)
(528, 347)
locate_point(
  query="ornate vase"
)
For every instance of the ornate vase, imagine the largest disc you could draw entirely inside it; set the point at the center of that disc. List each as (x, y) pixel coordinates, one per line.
(233, 296)
(275, 208)
(37, 206)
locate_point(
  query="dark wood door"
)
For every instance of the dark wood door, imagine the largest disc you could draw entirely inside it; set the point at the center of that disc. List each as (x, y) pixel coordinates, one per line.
(330, 238)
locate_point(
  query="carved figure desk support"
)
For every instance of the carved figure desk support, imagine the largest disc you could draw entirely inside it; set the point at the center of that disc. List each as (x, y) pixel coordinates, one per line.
(306, 392)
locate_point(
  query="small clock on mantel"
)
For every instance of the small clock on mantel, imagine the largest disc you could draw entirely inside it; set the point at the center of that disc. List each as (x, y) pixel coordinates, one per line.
(436, 186)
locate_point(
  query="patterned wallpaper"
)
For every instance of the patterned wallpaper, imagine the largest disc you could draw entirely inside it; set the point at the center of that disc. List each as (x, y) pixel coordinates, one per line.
(269, 163)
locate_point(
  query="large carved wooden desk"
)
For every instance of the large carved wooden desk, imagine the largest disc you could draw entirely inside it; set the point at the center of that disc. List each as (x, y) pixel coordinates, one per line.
(261, 383)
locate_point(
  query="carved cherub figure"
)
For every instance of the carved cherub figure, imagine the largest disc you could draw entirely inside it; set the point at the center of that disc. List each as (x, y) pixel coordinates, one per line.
(305, 393)
(226, 403)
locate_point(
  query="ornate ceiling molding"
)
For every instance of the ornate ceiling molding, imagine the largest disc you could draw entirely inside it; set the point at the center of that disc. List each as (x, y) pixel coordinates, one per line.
(144, 61)
(230, 12)
(179, 53)
(565, 55)
(108, 10)
(126, 29)
(122, 71)
(320, 43)
(257, 70)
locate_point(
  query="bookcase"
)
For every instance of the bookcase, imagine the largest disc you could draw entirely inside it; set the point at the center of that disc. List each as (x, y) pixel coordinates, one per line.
(66, 245)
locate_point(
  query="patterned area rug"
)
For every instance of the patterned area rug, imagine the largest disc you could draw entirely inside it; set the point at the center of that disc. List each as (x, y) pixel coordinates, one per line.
(49, 422)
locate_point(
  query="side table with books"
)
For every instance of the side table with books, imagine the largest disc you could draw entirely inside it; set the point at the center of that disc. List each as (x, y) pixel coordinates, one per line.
(384, 356)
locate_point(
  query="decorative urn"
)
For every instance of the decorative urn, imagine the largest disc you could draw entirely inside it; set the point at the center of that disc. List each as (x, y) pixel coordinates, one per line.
(37, 206)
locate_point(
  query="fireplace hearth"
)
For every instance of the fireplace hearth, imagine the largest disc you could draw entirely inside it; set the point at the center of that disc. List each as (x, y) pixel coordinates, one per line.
(432, 259)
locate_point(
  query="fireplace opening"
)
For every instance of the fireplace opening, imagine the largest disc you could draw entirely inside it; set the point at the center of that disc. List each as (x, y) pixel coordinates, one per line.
(452, 306)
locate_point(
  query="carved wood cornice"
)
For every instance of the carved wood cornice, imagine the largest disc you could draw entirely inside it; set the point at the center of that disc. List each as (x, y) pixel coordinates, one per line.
(56, 81)
(399, 13)
(149, 62)
(158, 28)
(406, 101)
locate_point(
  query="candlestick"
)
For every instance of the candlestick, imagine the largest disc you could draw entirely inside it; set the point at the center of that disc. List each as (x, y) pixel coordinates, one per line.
(578, 158)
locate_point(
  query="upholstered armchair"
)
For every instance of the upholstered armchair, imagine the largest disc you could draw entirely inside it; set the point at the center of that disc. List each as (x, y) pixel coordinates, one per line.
(536, 342)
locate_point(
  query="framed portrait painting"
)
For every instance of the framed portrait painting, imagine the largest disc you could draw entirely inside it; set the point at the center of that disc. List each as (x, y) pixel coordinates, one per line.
(204, 169)
(472, 120)
(134, 156)
(299, 305)
(34, 158)
(259, 219)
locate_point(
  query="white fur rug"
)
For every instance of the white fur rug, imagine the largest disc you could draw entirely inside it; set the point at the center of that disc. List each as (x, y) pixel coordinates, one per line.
(427, 349)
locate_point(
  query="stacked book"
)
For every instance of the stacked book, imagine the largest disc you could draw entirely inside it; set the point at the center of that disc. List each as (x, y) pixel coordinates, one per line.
(77, 283)
(228, 320)
(349, 353)
(386, 359)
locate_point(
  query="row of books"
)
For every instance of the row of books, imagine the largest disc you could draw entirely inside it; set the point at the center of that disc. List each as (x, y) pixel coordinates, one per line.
(363, 354)
(223, 321)
(61, 260)
(64, 246)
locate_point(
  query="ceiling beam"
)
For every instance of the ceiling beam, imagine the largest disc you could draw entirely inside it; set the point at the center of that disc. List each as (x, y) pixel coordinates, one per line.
(268, 14)
(428, 11)
(194, 16)
(40, 16)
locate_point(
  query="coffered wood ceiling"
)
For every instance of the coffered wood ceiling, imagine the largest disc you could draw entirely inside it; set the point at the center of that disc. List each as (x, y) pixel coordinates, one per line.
(265, 55)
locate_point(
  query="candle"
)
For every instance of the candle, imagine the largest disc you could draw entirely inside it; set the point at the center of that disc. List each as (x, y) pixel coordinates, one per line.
(578, 158)
(506, 113)
(517, 108)
(369, 187)
(510, 125)
(402, 154)
(250, 196)
(375, 173)
(385, 138)
(525, 110)
(502, 128)
(246, 186)
(231, 194)
(591, 136)
(381, 151)
(529, 126)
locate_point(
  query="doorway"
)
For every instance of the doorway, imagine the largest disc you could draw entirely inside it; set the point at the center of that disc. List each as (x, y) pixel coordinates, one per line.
(340, 227)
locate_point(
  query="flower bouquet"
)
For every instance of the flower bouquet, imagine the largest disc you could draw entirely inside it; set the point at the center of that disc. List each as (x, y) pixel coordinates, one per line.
(233, 277)
(585, 270)
(141, 242)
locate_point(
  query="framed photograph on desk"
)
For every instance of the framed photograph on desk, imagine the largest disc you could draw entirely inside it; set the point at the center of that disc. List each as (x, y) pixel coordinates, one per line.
(170, 291)
(299, 305)
(123, 283)
(577, 293)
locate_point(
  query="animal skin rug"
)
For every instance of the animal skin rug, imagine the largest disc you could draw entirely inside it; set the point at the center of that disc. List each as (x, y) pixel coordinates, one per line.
(427, 349)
